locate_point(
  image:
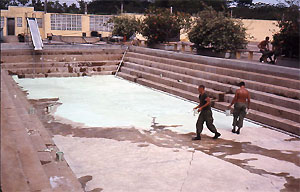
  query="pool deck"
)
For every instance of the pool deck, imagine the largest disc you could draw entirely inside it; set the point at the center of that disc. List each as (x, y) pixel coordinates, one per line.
(129, 159)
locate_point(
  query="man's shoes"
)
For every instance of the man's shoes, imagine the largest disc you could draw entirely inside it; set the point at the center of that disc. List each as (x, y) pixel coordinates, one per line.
(196, 138)
(238, 131)
(217, 135)
(233, 130)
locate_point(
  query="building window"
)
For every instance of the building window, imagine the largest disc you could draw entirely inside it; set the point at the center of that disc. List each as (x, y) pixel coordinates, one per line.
(65, 22)
(19, 21)
(99, 23)
(39, 22)
(2, 22)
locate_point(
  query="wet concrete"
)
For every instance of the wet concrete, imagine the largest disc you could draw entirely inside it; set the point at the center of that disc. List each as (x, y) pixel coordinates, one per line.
(84, 179)
(223, 149)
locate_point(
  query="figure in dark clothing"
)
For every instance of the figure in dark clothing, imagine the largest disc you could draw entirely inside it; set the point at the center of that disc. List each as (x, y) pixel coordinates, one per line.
(205, 115)
(265, 50)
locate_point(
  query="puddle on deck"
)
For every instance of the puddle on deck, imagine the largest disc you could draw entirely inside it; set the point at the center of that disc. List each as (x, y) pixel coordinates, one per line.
(158, 135)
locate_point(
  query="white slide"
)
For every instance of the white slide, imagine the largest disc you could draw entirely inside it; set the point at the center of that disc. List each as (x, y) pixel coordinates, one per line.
(35, 34)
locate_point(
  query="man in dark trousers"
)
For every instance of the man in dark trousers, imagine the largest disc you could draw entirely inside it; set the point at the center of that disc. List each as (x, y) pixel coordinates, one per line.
(241, 101)
(205, 114)
(265, 50)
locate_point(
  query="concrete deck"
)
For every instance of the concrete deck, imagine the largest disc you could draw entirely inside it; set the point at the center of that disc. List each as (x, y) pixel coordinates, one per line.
(105, 127)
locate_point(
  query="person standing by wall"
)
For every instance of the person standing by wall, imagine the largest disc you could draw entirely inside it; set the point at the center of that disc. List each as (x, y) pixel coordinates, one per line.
(241, 101)
(205, 114)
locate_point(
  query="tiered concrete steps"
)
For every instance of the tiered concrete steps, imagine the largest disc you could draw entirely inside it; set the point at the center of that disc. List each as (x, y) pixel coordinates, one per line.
(26, 165)
(274, 90)
(61, 63)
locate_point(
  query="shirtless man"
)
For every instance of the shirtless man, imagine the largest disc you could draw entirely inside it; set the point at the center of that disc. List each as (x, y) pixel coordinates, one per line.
(265, 50)
(241, 101)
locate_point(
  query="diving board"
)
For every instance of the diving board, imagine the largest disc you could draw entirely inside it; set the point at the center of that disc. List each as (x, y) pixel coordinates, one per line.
(35, 34)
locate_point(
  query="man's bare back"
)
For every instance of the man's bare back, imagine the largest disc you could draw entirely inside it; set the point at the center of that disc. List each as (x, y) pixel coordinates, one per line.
(242, 95)
(241, 101)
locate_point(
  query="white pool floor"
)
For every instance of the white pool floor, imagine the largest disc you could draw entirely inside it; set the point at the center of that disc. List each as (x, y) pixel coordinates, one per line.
(110, 102)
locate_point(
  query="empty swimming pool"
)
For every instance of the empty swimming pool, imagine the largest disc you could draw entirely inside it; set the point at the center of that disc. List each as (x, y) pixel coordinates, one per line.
(127, 137)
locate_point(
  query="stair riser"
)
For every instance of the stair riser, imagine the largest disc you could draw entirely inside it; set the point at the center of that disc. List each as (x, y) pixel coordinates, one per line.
(58, 64)
(63, 70)
(293, 104)
(268, 121)
(225, 63)
(270, 110)
(180, 94)
(228, 98)
(289, 83)
(290, 93)
(287, 127)
(60, 52)
(47, 75)
(184, 78)
(28, 156)
(60, 58)
(178, 85)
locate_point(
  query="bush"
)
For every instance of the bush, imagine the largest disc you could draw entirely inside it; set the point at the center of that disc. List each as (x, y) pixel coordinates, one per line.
(217, 31)
(287, 39)
(125, 26)
(159, 25)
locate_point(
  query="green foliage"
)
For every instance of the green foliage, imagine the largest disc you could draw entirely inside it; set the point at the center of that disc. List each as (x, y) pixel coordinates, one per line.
(218, 32)
(259, 11)
(125, 26)
(160, 25)
(114, 7)
(287, 39)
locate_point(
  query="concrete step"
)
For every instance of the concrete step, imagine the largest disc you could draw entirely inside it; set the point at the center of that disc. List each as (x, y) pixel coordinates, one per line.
(10, 39)
(67, 69)
(257, 116)
(249, 66)
(218, 95)
(257, 105)
(162, 87)
(60, 58)
(277, 122)
(36, 178)
(59, 64)
(58, 51)
(37, 134)
(242, 74)
(226, 88)
(12, 174)
(49, 75)
(259, 86)
(275, 110)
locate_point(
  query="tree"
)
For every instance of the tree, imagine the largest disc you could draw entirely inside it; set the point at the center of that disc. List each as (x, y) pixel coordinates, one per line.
(243, 3)
(217, 31)
(125, 26)
(259, 11)
(23, 2)
(4, 4)
(38, 5)
(287, 39)
(191, 6)
(159, 25)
